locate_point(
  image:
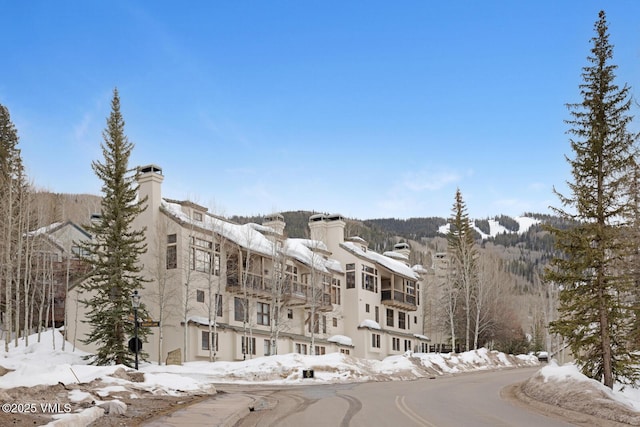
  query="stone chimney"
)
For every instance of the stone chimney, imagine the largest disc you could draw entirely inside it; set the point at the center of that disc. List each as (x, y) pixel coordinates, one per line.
(275, 221)
(402, 248)
(327, 228)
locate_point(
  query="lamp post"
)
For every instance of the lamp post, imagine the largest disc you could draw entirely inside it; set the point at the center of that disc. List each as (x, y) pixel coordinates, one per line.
(135, 303)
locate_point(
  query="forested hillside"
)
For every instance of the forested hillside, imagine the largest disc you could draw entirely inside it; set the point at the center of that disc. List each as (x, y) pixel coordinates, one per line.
(59, 207)
(524, 254)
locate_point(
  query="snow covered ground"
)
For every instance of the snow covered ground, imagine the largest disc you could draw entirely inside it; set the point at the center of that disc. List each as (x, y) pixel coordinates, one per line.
(46, 364)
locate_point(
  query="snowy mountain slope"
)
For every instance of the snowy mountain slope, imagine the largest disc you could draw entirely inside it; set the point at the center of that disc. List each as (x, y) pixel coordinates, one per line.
(495, 228)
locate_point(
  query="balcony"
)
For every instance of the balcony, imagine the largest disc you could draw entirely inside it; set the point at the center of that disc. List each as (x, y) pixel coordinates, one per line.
(398, 299)
(296, 294)
(299, 294)
(256, 286)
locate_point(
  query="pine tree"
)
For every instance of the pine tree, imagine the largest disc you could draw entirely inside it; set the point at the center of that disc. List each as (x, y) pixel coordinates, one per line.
(596, 311)
(115, 249)
(463, 257)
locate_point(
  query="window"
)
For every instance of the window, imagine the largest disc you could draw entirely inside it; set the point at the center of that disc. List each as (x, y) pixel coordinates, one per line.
(248, 345)
(415, 320)
(263, 314)
(291, 279)
(289, 314)
(319, 323)
(199, 295)
(239, 308)
(267, 347)
(411, 287)
(402, 320)
(78, 252)
(335, 291)
(172, 252)
(301, 348)
(200, 260)
(206, 341)
(197, 216)
(389, 317)
(335, 322)
(344, 351)
(351, 276)
(320, 350)
(369, 279)
(202, 252)
(375, 340)
(407, 345)
(396, 344)
(377, 311)
(366, 308)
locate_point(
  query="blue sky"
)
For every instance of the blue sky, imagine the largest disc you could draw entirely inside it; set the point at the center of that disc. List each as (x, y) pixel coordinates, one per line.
(370, 109)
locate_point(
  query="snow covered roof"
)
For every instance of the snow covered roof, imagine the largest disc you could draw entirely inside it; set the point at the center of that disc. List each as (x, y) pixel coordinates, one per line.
(314, 245)
(245, 235)
(53, 231)
(385, 261)
(201, 320)
(368, 323)
(251, 237)
(297, 249)
(418, 268)
(341, 339)
(45, 230)
(356, 239)
(396, 255)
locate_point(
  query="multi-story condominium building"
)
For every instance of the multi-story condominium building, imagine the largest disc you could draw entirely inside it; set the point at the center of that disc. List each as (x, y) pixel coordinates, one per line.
(224, 291)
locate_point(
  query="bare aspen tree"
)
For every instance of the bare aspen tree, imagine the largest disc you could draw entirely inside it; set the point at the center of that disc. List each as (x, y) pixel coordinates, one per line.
(450, 294)
(279, 289)
(21, 247)
(75, 319)
(318, 282)
(186, 306)
(488, 277)
(66, 292)
(47, 279)
(214, 283)
(163, 272)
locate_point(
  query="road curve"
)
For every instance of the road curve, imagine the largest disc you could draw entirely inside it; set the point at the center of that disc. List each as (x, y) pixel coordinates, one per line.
(470, 400)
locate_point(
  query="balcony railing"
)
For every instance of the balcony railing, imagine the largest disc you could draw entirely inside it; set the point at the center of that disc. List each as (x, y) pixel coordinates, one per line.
(399, 299)
(299, 294)
(253, 284)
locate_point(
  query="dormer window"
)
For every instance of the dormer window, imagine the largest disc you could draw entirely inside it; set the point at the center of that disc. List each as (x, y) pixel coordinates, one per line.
(197, 216)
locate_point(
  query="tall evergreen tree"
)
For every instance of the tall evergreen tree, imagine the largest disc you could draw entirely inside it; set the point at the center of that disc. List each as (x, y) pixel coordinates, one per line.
(115, 249)
(463, 256)
(596, 311)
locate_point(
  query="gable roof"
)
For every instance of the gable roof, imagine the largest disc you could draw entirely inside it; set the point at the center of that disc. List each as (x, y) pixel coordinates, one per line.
(48, 232)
